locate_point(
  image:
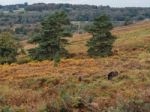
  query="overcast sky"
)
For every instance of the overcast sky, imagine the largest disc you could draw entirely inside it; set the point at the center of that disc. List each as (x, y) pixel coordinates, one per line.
(113, 3)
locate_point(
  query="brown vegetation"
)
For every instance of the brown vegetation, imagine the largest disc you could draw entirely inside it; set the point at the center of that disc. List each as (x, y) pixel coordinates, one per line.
(81, 84)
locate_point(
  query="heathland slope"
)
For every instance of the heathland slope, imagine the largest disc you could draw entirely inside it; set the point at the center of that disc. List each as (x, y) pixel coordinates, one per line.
(81, 84)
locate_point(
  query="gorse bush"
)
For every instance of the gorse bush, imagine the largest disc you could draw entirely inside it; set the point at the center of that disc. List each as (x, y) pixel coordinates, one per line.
(8, 48)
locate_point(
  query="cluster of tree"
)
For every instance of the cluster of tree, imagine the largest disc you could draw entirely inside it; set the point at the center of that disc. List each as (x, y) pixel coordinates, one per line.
(32, 13)
(82, 15)
(89, 12)
(51, 39)
(13, 7)
(20, 18)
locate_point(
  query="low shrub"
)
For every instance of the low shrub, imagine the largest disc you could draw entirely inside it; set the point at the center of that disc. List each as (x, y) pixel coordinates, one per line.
(23, 60)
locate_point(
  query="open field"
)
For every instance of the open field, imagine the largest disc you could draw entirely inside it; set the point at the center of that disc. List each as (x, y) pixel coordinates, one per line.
(80, 84)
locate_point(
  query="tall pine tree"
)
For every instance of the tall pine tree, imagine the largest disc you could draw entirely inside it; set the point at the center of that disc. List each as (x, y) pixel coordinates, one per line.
(51, 39)
(101, 42)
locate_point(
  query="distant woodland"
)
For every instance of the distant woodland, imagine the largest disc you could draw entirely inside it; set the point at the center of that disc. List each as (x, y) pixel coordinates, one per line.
(24, 18)
(24, 13)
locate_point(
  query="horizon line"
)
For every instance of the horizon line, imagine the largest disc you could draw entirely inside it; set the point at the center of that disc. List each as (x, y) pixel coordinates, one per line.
(78, 4)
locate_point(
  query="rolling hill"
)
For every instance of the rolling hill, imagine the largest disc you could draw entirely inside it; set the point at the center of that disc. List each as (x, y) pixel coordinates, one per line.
(80, 84)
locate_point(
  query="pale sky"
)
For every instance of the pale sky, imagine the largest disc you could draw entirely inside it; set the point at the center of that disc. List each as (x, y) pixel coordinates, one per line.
(113, 3)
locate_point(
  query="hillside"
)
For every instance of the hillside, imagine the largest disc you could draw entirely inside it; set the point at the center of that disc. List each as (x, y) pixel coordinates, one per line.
(80, 84)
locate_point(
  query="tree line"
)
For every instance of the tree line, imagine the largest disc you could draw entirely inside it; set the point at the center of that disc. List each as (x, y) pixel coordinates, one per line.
(32, 13)
(51, 39)
(23, 19)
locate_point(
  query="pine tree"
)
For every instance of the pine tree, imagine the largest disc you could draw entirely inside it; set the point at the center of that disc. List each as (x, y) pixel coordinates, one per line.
(51, 39)
(101, 42)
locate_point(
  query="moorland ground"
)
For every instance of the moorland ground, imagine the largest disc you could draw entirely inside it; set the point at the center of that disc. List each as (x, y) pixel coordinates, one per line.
(80, 84)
